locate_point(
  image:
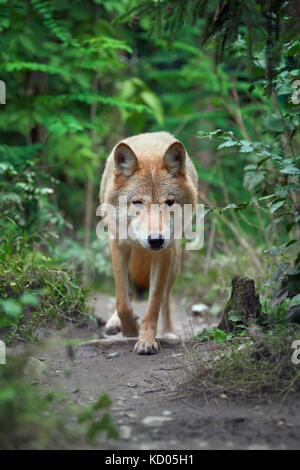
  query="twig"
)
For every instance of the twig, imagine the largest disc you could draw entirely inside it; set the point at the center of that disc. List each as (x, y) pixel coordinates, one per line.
(211, 239)
(243, 242)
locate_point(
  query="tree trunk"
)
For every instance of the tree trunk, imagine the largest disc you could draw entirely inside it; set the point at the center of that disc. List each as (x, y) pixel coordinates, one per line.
(244, 303)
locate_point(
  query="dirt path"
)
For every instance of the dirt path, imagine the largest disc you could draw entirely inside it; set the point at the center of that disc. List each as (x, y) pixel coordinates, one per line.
(150, 411)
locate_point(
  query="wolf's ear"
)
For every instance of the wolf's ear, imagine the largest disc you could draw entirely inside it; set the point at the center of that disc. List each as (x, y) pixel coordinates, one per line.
(174, 159)
(125, 160)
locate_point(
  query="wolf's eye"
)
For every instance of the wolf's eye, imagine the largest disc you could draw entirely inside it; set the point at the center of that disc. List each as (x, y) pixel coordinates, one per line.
(170, 202)
(137, 203)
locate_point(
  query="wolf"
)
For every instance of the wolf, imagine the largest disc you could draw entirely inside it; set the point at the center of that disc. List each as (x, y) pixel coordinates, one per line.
(152, 173)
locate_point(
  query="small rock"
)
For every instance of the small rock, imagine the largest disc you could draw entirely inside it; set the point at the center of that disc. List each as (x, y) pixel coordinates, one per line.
(167, 413)
(155, 420)
(229, 444)
(35, 368)
(111, 355)
(132, 385)
(125, 432)
(258, 447)
(153, 390)
(202, 444)
(198, 309)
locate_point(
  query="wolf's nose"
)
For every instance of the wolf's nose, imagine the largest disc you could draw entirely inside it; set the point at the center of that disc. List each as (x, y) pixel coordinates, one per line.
(156, 241)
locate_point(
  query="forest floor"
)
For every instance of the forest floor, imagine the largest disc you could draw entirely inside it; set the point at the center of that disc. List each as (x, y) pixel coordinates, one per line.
(151, 407)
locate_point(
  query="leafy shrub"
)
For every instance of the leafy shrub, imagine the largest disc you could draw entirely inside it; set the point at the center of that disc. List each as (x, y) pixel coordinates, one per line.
(27, 212)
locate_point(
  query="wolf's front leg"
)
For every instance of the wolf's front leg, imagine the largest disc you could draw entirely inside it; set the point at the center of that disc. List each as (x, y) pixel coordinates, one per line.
(160, 268)
(120, 255)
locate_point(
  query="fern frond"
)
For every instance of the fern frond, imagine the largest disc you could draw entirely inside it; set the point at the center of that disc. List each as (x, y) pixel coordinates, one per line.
(5, 18)
(18, 154)
(66, 123)
(107, 43)
(90, 98)
(46, 10)
(34, 67)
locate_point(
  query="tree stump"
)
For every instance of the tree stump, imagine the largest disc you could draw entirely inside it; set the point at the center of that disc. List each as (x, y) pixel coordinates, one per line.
(243, 304)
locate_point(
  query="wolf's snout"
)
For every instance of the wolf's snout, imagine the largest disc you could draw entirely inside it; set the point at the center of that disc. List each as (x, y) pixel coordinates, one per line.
(156, 241)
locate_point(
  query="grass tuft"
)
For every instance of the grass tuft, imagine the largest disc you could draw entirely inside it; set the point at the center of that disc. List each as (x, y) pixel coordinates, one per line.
(34, 293)
(243, 367)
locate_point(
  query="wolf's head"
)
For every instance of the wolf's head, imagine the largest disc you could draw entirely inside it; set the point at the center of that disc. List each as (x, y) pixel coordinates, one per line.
(151, 181)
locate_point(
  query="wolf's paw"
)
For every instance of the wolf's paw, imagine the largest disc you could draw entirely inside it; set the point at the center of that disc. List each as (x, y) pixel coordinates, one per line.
(170, 338)
(112, 330)
(147, 347)
(130, 328)
(113, 325)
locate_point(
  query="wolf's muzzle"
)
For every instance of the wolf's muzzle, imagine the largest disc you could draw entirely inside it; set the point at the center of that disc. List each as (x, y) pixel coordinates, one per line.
(156, 241)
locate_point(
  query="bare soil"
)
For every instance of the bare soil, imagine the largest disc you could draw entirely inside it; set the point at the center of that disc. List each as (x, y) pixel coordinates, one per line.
(151, 387)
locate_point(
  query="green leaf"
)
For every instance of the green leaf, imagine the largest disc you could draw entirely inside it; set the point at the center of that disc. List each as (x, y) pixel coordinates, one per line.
(274, 124)
(246, 146)
(228, 143)
(35, 67)
(103, 402)
(288, 168)
(105, 424)
(276, 205)
(234, 316)
(154, 103)
(7, 393)
(29, 299)
(86, 414)
(252, 179)
(219, 336)
(11, 307)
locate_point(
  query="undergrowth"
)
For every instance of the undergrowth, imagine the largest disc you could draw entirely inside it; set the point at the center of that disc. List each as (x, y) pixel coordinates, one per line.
(35, 292)
(252, 367)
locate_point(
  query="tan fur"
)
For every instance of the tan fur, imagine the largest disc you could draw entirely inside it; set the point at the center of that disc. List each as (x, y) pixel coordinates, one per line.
(148, 169)
(139, 267)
